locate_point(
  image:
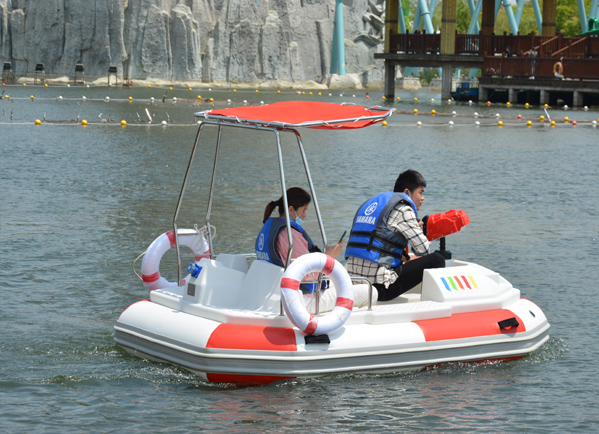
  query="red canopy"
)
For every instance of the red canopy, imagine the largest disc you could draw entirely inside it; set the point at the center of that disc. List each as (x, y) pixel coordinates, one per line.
(309, 114)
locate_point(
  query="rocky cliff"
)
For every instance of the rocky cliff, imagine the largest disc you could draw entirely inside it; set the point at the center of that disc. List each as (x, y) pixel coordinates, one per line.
(231, 41)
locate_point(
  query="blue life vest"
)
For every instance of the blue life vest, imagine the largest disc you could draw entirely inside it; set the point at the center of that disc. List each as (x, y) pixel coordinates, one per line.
(370, 237)
(266, 245)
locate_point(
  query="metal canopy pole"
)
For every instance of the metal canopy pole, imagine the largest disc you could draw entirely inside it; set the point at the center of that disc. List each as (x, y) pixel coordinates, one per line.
(318, 217)
(211, 194)
(181, 194)
(284, 195)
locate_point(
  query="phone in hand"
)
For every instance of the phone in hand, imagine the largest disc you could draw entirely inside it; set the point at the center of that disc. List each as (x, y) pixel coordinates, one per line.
(342, 236)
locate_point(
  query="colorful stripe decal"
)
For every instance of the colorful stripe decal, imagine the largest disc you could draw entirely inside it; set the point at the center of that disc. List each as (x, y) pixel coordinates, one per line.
(445, 283)
(245, 337)
(457, 279)
(469, 325)
(462, 282)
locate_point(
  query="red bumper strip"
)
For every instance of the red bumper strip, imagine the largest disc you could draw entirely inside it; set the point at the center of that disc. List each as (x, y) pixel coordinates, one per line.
(244, 337)
(469, 325)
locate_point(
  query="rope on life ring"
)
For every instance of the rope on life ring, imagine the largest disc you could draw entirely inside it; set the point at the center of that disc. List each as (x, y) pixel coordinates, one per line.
(293, 300)
(558, 68)
(150, 266)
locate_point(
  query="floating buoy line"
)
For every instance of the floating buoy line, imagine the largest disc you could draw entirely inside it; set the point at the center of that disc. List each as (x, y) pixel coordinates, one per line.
(425, 118)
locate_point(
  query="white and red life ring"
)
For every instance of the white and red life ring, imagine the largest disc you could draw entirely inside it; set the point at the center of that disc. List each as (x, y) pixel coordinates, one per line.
(293, 300)
(150, 266)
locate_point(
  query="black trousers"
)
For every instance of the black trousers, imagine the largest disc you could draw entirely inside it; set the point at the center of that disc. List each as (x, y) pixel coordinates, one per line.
(409, 275)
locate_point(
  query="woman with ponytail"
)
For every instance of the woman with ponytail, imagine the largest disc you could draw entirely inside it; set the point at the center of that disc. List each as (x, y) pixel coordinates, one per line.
(272, 244)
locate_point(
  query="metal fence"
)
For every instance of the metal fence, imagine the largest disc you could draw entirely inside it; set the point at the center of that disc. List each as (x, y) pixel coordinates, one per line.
(519, 45)
(541, 67)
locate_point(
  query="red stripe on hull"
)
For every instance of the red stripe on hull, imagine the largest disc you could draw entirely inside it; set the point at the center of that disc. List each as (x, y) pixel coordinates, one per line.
(468, 325)
(244, 337)
(244, 380)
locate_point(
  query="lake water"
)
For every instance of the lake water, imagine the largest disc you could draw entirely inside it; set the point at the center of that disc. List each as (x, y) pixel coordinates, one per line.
(78, 205)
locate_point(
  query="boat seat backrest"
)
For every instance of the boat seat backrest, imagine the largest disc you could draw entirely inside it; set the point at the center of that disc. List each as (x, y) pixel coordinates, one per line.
(261, 288)
(235, 262)
(217, 286)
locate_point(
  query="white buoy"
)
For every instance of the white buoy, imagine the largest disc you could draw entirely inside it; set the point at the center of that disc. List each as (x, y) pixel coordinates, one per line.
(449, 101)
(470, 102)
(433, 100)
(245, 101)
(164, 123)
(475, 114)
(229, 101)
(210, 89)
(68, 85)
(152, 99)
(353, 96)
(565, 106)
(594, 124)
(497, 115)
(107, 99)
(330, 94)
(453, 113)
(451, 123)
(87, 85)
(419, 123)
(262, 102)
(59, 98)
(83, 98)
(586, 108)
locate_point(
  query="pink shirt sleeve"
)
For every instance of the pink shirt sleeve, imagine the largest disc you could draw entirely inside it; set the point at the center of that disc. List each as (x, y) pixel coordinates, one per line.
(300, 248)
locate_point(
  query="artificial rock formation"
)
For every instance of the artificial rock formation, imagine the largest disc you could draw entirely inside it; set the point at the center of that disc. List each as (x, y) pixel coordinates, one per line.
(226, 41)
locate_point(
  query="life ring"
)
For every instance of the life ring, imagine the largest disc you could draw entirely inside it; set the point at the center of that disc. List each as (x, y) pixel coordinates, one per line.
(293, 300)
(150, 266)
(558, 68)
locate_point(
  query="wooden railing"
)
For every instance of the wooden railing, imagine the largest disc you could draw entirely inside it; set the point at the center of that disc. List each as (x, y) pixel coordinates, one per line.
(540, 67)
(519, 45)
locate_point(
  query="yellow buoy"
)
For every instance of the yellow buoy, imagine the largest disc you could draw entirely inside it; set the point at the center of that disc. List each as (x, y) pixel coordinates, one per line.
(38, 122)
(319, 94)
(499, 123)
(310, 93)
(384, 97)
(170, 88)
(32, 97)
(278, 91)
(546, 106)
(542, 118)
(130, 99)
(508, 104)
(149, 85)
(256, 90)
(566, 119)
(199, 96)
(123, 123)
(190, 89)
(384, 123)
(415, 111)
(24, 84)
(84, 123)
(234, 90)
(303, 93)
(415, 99)
(211, 99)
(529, 124)
(553, 123)
(433, 112)
(6, 97)
(526, 105)
(398, 99)
(46, 84)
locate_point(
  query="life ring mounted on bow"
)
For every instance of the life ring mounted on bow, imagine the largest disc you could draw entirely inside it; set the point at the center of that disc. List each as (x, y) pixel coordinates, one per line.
(150, 267)
(558, 68)
(293, 300)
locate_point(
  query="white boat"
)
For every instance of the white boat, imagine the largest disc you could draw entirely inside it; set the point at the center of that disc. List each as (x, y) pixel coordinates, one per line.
(237, 319)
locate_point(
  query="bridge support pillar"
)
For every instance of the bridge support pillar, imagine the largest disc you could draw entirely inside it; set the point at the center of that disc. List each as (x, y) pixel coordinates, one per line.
(389, 79)
(446, 81)
(482, 93)
(544, 98)
(512, 95)
(577, 99)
